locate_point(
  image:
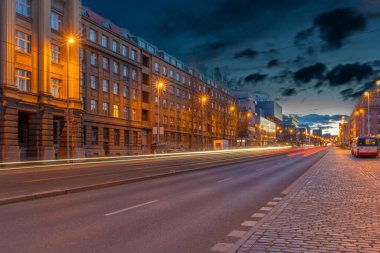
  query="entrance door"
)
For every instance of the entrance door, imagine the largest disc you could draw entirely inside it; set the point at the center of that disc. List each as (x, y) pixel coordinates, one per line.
(23, 135)
(106, 141)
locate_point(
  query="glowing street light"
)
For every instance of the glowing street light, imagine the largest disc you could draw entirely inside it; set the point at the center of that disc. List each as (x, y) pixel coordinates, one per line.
(367, 94)
(160, 86)
(203, 101)
(70, 41)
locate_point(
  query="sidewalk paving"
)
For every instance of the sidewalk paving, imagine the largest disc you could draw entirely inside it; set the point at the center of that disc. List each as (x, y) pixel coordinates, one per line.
(335, 209)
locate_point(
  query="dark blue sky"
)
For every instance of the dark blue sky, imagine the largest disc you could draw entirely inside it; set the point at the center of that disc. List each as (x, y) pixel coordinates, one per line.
(314, 57)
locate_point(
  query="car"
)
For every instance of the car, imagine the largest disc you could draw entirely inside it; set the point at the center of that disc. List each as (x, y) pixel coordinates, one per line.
(365, 146)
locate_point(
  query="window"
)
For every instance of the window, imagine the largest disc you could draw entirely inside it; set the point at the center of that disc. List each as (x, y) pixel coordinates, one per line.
(106, 87)
(55, 54)
(23, 79)
(94, 82)
(124, 50)
(126, 113)
(145, 79)
(23, 42)
(171, 90)
(116, 111)
(134, 114)
(105, 63)
(93, 105)
(126, 137)
(115, 46)
(116, 137)
(133, 55)
(145, 97)
(171, 73)
(94, 59)
(23, 7)
(135, 137)
(183, 79)
(177, 76)
(156, 67)
(106, 108)
(125, 91)
(56, 86)
(116, 89)
(134, 94)
(164, 71)
(165, 119)
(178, 92)
(93, 35)
(94, 135)
(104, 41)
(81, 55)
(56, 21)
(115, 68)
(134, 75)
(125, 71)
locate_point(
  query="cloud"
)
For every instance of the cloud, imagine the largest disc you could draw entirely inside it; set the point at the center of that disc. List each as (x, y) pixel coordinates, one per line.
(324, 121)
(288, 92)
(246, 53)
(273, 63)
(345, 73)
(309, 73)
(255, 77)
(210, 50)
(353, 94)
(333, 28)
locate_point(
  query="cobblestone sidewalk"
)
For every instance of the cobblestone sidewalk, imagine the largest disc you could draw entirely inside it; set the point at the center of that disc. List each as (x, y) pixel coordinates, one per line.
(337, 209)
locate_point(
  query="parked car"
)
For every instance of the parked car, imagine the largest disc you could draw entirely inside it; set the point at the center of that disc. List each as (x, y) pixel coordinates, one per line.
(365, 146)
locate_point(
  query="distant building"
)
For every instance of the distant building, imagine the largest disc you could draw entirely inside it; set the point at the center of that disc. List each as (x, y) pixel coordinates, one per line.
(271, 110)
(289, 125)
(266, 131)
(247, 117)
(317, 132)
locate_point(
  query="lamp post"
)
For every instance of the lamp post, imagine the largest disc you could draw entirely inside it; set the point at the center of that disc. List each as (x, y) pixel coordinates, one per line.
(160, 85)
(232, 109)
(368, 113)
(203, 101)
(70, 41)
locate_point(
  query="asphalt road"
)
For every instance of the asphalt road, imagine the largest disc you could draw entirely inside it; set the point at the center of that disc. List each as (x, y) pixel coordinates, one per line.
(180, 214)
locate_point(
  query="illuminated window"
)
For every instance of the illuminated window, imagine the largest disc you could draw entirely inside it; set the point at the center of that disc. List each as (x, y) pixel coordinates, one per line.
(125, 71)
(55, 54)
(105, 63)
(94, 59)
(134, 114)
(23, 7)
(23, 79)
(23, 42)
(116, 111)
(164, 71)
(115, 68)
(133, 55)
(56, 86)
(56, 21)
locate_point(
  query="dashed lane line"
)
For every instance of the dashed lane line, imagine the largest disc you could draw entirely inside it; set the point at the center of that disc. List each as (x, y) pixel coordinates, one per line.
(130, 208)
(221, 247)
(249, 223)
(266, 208)
(258, 215)
(237, 233)
(272, 203)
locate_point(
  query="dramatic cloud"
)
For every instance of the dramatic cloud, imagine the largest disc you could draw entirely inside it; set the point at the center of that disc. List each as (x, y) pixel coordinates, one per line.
(273, 63)
(255, 77)
(353, 94)
(343, 74)
(309, 73)
(212, 49)
(247, 53)
(323, 121)
(287, 92)
(333, 28)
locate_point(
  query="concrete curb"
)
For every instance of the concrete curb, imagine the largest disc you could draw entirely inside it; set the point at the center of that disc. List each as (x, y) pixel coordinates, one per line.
(58, 192)
(291, 189)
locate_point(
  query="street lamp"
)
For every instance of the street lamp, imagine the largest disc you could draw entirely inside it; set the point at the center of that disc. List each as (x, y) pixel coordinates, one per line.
(70, 40)
(203, 101)
(367, 94)
(160, 86)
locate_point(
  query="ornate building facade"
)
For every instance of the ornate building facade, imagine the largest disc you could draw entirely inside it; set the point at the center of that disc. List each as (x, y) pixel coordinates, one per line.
(101, 88)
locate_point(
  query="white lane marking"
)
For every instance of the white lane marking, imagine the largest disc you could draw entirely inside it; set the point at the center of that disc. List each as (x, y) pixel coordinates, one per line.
(130, 208)
(237, 233)
(277, 198)
(249, 223)
(258, 215)
(265, 208)
(225, 180)
(221, 247)
(272, 203)
(285, 192)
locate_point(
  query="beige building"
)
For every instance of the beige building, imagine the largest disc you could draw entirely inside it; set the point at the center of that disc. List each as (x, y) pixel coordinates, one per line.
(107, 78)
